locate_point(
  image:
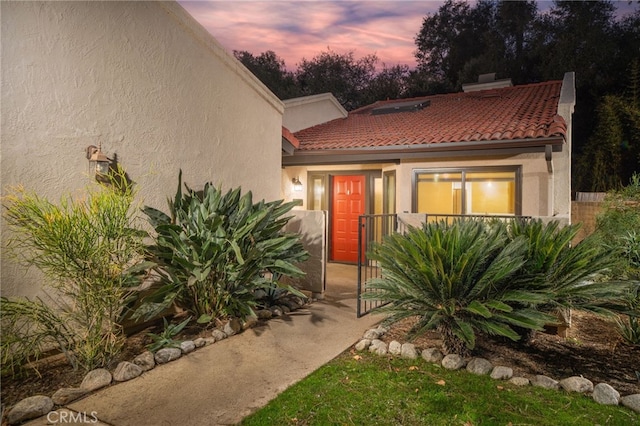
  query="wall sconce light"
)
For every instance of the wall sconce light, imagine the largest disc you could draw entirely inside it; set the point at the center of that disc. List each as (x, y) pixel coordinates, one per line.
(297, 185)
(98, 162)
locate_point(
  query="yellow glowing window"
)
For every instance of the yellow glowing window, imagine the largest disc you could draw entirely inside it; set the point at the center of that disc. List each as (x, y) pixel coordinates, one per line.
(468, 192)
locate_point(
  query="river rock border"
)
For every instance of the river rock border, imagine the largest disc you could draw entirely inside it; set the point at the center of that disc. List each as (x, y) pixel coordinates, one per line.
(39, 405)
(602, 393)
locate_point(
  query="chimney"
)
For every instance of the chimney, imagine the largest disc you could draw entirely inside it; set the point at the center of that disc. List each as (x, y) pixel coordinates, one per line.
(486, 82)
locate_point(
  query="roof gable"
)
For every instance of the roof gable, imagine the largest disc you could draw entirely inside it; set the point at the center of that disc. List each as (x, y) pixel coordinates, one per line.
(519, 113)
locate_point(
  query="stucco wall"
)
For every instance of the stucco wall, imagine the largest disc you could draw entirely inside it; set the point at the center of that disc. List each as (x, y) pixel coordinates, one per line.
(146, 81)
(562, 160)
(312, 225)
(536, 182)
(301, 113)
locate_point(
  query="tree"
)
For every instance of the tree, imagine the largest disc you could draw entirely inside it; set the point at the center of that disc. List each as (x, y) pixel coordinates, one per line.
(440, 41)
(388, 83)
(461, 41)
(612, 153)
(271, 71)
(341, 74)
(515, 24)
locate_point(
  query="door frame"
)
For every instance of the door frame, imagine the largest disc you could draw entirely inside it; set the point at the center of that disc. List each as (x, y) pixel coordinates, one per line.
(327, 201)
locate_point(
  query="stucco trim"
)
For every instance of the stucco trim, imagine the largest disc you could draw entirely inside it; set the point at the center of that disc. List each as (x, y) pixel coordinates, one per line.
(304, 100)
(201, 35)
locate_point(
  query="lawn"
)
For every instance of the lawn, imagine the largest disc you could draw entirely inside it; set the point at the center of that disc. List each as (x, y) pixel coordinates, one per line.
(359, 389)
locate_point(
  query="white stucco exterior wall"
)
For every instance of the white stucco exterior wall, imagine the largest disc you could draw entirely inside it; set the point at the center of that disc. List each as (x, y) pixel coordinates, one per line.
(307, 111)
(146, 81)
(536, 190)
(562, 160)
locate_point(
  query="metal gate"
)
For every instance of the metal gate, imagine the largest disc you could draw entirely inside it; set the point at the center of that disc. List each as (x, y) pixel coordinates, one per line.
(371, 229)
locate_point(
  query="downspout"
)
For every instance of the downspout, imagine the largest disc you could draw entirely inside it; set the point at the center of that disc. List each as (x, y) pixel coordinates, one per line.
(548, 156)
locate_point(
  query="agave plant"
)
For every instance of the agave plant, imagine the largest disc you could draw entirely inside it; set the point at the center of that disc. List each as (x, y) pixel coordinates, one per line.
(215, 249)
(458, 279)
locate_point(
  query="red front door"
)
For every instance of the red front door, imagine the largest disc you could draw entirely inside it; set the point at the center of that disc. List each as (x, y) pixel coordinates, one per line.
(348, 204)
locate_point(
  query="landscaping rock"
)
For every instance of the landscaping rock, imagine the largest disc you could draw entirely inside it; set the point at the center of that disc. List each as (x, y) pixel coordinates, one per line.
(289, 303)
(395, 347)
(145, 361)
(233, 326)
(520, 381)
(453, 362)
(479, 366)
(200, 342)
(632, 402)
(187, 346)
(66, 395)
(299, 301)
(126, 371)
(276, 311)
(249, 322)
(545, 382)
(605, 394)
(29, 408)
(284, 308)
(372, 334)
(501, 373)
(264, 314)
(96, 379)
(382, 330)
(165, 355)
(363, 344)
(210, 340)
(432, 355)
(408, 351)
(218, 335)
(576, 384)
(378, 347)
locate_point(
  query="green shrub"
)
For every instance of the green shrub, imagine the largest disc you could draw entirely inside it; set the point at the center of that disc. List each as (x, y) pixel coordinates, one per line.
(570, 277)
(617, 225)
(497, 278)
(457, 278)
(617, 231)
(30, 329)
(166, 338)
(629, 318)
(92, 255)
(213, 250)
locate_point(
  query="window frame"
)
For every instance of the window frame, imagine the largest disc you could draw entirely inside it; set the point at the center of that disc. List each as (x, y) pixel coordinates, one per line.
(517, 170)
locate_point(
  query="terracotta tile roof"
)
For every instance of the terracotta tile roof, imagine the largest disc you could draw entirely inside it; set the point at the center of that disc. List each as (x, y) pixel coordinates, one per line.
(526, 112)
(286, 133)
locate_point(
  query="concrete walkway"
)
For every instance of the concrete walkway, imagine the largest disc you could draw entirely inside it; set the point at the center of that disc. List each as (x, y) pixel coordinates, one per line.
(222, 383)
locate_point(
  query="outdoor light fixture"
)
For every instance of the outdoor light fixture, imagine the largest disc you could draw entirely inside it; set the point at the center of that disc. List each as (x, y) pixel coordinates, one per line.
(98, 162)
(297, 185)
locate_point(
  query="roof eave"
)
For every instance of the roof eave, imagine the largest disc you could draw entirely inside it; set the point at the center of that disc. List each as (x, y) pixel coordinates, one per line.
(426, 151)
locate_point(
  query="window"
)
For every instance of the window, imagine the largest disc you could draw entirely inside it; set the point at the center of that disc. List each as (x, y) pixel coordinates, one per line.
(316, 196)
(389, 192)
(477, 191)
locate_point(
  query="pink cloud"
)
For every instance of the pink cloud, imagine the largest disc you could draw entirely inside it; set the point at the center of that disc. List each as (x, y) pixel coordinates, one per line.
(302, 29)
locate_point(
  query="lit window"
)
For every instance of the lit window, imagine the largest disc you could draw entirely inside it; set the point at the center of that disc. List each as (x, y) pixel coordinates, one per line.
(466, 191)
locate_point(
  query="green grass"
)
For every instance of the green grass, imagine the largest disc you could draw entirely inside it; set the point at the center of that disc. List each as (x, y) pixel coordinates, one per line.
(377, 390)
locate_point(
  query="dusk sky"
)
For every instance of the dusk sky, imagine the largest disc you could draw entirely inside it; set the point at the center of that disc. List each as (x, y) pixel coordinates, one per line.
(302, 29)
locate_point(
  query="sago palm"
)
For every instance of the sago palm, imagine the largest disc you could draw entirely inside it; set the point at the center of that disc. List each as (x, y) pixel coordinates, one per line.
(574, 276)
(456, 279)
